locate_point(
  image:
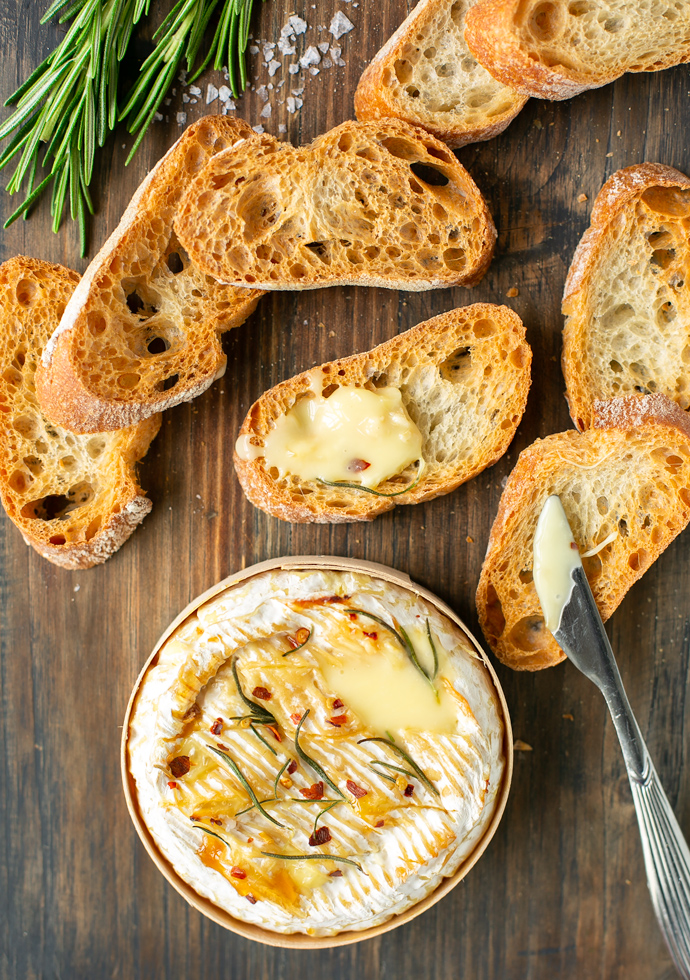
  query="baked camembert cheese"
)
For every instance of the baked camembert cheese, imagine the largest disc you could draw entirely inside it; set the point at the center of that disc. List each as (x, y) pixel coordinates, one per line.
(314, 751)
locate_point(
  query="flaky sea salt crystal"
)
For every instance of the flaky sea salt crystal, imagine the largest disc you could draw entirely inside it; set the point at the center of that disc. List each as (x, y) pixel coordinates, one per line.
(285, 47)
(340, 25)
(293, 69)
(273, 67)
(310, 57)
(259, 129)
(181, 118)
(211, 93)
(262, 93)
(266, 111)
(322, 46)
(224, 93)
(298, 25)
(194, 90)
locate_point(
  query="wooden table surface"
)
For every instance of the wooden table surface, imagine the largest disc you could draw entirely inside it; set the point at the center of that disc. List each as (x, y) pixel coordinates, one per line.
(561, 891)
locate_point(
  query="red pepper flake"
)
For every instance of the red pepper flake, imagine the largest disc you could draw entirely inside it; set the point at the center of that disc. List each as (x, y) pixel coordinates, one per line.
(335, 874)
(217, 726)
(262, 693)
(338, 720)
(358, 465)
(356, 790)
(380, 823)
(249, 840)
(236, 872)
(300, 638)
(322, 836)
(250, 898)
(275, 733)
(314, 792)
(220, 745)
(172, 785)
(353, 616)
(409, 789)
(194, 817)
(292, 766)
(372, 636)
(338, 703)
(218, 823)
(180, 766)
(295, 718)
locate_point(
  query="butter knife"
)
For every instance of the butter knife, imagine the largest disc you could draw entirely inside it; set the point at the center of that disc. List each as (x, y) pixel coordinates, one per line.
(571, 614)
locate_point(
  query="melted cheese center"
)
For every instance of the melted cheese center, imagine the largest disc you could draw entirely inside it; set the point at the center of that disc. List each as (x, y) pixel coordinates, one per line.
(388, 693)
(355, 436)
(556, 556)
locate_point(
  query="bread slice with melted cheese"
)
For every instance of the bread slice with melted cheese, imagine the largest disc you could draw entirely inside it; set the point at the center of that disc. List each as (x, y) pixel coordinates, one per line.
(75, 499)
(627, 295)
(464, 378)
(426, 75)
(625, 487)
(555, 49)
(370, 204)
(142, 331)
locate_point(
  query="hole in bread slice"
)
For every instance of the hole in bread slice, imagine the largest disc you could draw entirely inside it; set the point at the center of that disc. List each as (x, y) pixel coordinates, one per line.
(458, 367)
(57, 506)
(430, 175)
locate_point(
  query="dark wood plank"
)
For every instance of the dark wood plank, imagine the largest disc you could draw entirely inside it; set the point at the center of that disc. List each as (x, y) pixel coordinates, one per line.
(561, 890)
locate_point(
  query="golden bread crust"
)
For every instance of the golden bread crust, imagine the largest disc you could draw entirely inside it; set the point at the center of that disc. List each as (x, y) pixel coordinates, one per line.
(369, 204)
(629, 475)
(141, 332)
(459, 103)
(75, 499)
(626, 299)
(466, 423)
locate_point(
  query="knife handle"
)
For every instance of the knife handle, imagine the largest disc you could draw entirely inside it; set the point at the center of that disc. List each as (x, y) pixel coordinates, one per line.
(667, 863)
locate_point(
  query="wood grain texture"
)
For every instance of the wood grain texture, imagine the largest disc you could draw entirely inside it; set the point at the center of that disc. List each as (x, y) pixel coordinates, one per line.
(561, 889)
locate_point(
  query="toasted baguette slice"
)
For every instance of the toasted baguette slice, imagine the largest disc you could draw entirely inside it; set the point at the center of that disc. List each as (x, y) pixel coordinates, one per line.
(141, 332)
(74, 498)
(627, 295)
(369, 204)
(426, 75)
(554, 49)
(464, 378)
(628, 477)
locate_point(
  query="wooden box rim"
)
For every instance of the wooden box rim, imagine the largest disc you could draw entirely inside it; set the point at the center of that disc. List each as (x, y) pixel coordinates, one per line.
(299, 940)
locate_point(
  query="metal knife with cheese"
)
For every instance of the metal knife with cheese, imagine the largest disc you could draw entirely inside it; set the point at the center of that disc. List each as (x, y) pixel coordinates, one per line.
(314, 751)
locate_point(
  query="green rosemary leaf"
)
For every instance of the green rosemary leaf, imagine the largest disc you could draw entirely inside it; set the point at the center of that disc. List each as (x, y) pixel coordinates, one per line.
(238, 772)
(262, 739)
(433, 650)
(322, 812)
(258, 711)
(314, 857)
(402, 638)
(390, 742)
(389, 765)
(211, 833)
(311, 762)
(26, 204)
(277, 779)
(376, 493)
(383, 775)
(288, 653)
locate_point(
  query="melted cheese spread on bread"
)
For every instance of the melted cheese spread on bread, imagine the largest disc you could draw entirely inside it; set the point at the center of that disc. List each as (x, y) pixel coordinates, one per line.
(354, 435)
(298, 768)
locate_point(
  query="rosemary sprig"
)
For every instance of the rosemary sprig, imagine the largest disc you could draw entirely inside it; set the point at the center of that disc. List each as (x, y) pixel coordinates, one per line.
(433, 650)
(277, 779)
(325, 810)
(404, 641)
(311, 762)
(211, 833)
(390, 742)
(240, 776)
(389, 765)
(69, 103)
(314, 857)
(178, 39)
(376, 493)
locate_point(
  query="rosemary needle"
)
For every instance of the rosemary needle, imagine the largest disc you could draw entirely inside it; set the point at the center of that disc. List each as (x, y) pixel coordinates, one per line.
(178, 39)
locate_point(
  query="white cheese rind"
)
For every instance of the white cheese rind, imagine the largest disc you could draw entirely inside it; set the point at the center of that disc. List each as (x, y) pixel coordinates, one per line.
(432, 835)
